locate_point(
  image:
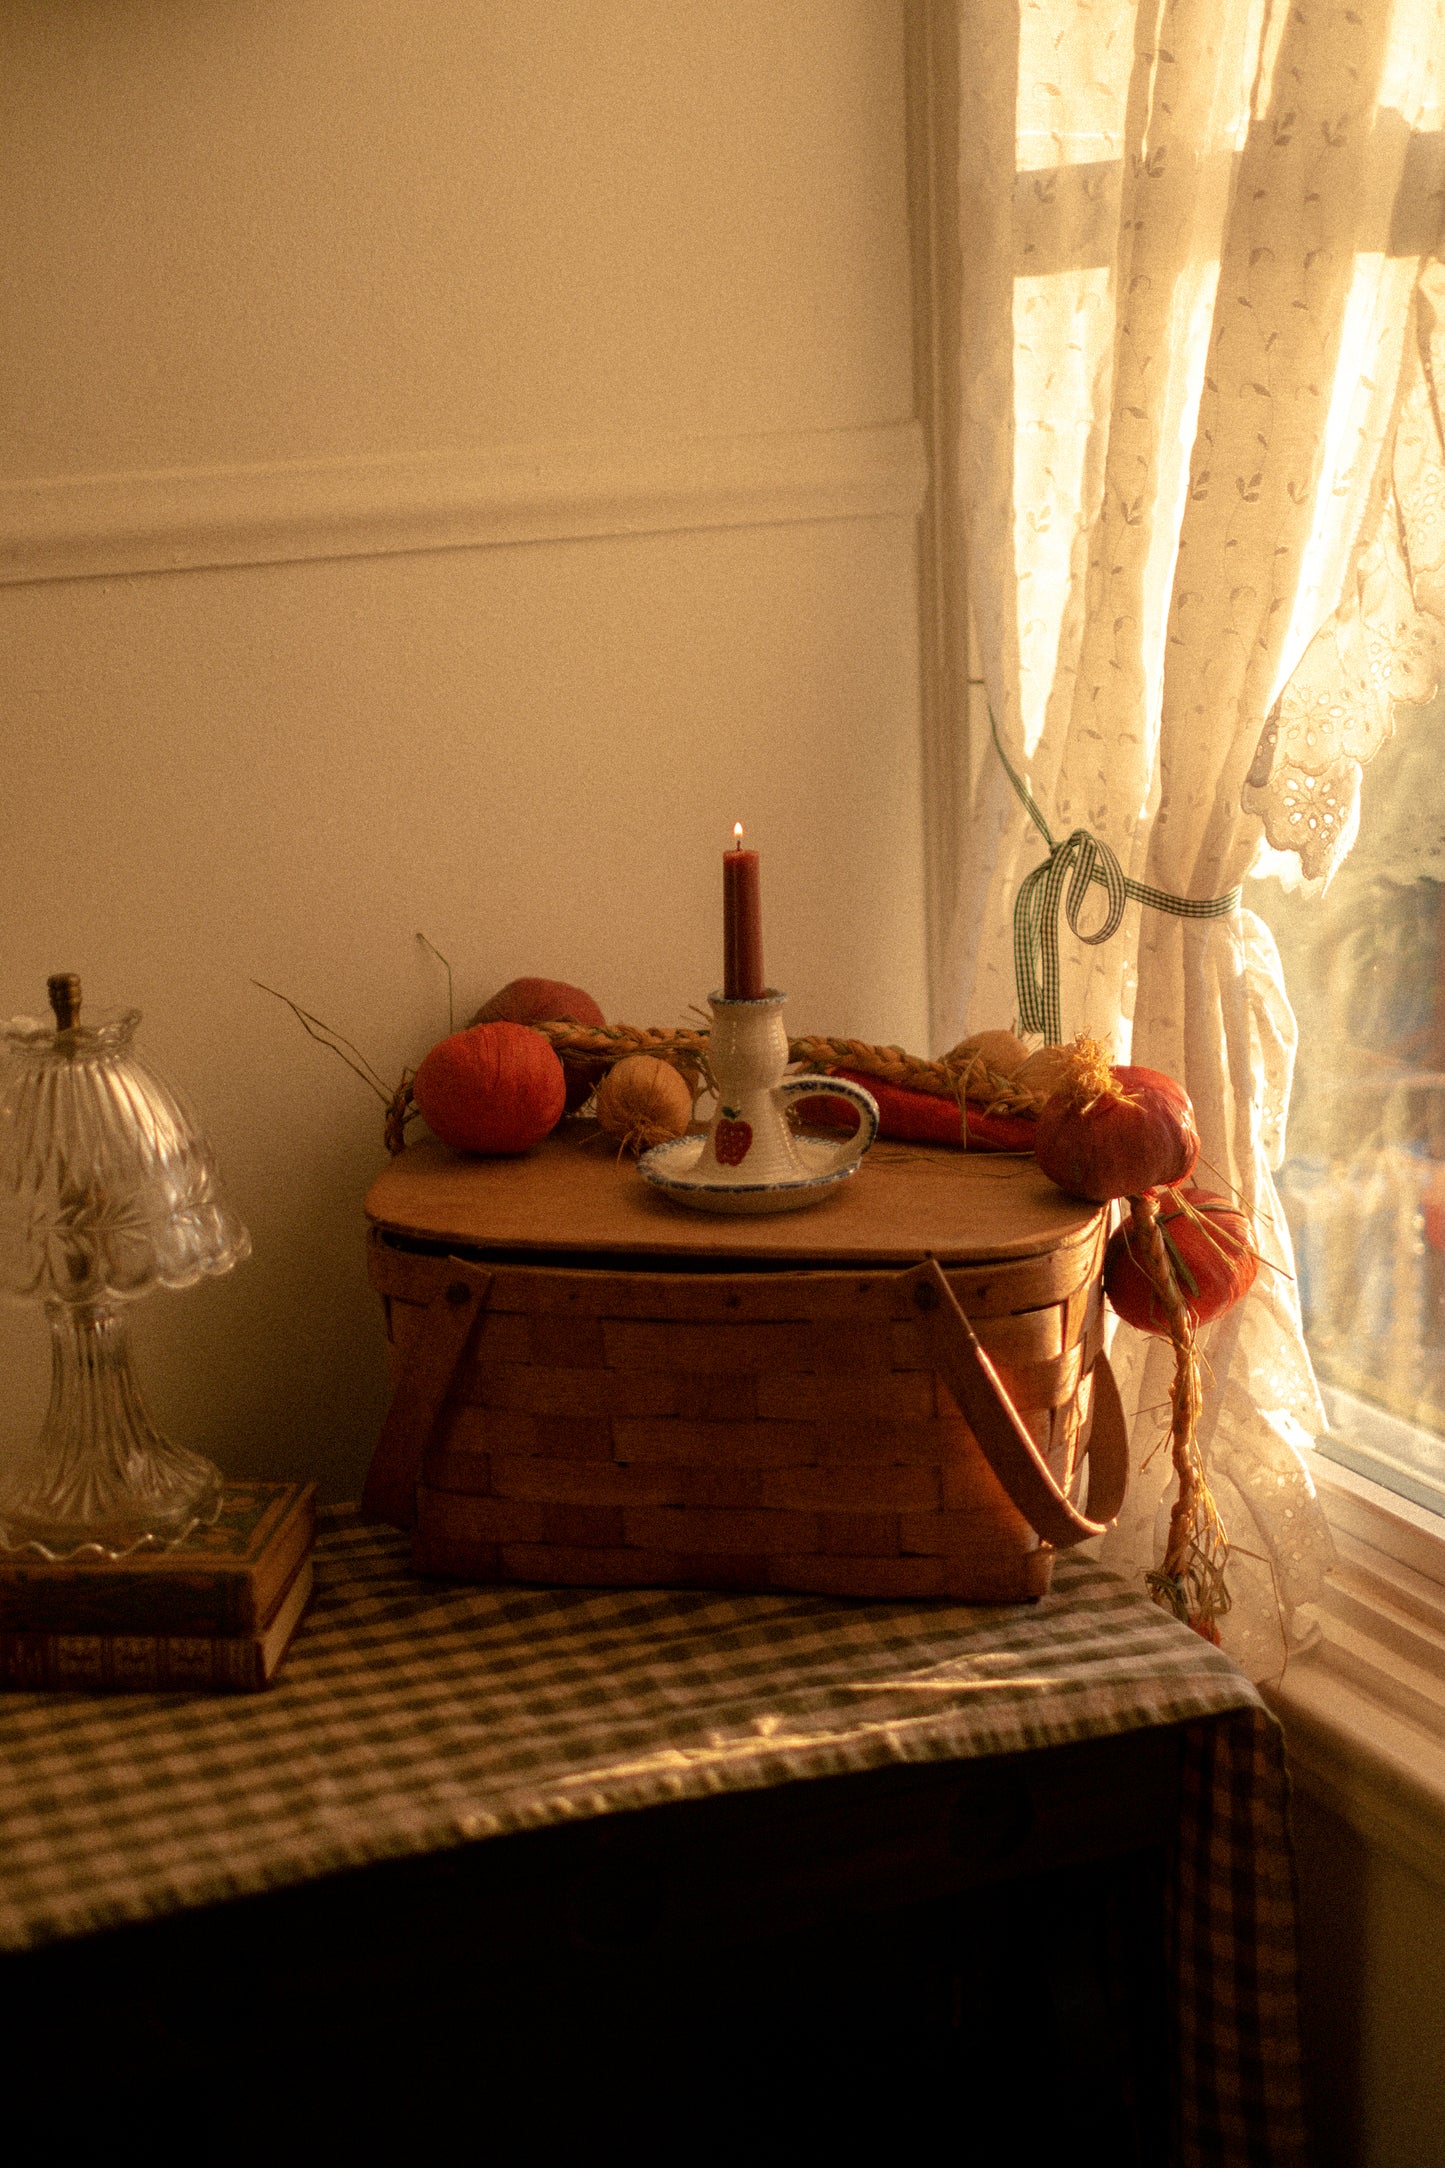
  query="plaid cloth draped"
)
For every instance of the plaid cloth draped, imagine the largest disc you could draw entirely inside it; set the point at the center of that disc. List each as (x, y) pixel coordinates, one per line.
(414, 1715)
(1231, 1926)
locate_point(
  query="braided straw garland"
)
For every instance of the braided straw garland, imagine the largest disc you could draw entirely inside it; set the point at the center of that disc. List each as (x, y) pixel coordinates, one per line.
(972, 1078)
(592, 1048)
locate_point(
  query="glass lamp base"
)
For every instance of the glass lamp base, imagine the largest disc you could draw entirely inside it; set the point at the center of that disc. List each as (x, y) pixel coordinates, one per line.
(100, 1478)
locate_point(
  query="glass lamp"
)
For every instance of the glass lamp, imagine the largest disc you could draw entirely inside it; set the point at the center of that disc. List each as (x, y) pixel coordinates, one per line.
(108, 1190)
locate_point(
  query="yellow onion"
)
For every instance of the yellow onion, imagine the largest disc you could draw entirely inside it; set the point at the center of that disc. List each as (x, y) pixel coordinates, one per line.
(643, 1101)
(1000, 1051)
(1049, 1070)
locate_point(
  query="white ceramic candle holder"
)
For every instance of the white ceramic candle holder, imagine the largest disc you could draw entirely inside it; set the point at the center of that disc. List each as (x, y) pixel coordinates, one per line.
(751, 1159)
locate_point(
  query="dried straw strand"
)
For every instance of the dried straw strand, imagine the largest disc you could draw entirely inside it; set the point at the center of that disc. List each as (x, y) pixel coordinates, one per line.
(1190, 1581)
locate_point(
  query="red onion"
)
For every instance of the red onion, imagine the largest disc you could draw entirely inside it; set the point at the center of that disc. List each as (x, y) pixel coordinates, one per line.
(923, 1118)
(1116, 1132)
(539, 1001)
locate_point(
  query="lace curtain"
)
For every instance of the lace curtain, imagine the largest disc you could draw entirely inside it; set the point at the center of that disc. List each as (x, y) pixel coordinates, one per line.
(1201, 479)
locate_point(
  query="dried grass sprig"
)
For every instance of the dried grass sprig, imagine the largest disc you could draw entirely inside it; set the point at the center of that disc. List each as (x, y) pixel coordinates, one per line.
(400, 1109)
(1190, 1581)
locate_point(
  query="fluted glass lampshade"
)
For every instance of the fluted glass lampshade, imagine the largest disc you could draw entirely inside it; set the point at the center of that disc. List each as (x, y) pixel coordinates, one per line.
(108, 1190)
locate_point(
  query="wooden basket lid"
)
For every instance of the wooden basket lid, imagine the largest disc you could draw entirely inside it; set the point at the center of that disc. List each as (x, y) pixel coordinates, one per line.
(906, 1202)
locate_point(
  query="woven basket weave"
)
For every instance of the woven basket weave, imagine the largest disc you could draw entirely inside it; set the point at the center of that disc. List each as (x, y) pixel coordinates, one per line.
(704, 1418)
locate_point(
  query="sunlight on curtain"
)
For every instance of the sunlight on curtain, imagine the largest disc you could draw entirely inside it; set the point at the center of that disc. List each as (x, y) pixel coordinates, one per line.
(1192, 237)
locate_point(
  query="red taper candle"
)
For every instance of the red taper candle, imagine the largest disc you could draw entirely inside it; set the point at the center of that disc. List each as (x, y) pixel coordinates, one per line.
(742, 923)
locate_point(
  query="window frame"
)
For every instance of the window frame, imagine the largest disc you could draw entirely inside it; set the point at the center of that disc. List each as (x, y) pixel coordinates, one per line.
(1363, 1710)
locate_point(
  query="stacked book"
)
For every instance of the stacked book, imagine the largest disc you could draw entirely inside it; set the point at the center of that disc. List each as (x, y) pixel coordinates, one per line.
(214, 1613)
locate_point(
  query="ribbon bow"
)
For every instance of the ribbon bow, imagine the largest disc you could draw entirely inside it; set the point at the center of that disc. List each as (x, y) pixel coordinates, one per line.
(1071, 869)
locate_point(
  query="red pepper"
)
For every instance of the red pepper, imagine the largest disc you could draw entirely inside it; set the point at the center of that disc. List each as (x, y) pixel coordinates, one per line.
(919, 1117)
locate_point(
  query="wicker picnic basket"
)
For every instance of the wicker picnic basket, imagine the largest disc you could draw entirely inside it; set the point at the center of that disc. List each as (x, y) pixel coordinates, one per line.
(889, 1395)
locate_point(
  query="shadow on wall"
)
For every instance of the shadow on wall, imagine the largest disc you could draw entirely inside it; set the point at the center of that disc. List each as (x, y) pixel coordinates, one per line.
(1372, 1961)
(1333, 1866)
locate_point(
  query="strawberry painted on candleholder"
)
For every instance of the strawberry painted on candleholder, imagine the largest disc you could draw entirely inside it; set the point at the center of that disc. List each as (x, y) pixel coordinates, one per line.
(732, 1137)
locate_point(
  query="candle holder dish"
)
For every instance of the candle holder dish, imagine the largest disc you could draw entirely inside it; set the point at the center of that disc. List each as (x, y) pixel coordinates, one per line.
(107, 1191)
(751, 1160)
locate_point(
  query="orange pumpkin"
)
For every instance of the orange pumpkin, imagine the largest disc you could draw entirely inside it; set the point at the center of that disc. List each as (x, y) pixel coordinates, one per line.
(493, 1089)
(1212, 1252)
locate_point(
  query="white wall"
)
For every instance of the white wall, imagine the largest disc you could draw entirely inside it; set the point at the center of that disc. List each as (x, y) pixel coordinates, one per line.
(293, 296)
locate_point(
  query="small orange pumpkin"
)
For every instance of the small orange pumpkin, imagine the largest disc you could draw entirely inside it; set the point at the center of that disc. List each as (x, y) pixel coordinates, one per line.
(1210, 1247)
(493, 1089)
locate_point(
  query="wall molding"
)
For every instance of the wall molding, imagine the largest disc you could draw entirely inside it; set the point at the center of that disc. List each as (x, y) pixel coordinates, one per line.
(95, 526)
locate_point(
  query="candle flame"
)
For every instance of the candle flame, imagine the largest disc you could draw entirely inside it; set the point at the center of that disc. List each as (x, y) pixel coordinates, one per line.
(737, 835)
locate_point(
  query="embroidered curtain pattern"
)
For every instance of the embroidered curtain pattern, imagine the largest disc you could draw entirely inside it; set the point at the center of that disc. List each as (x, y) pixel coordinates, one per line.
(1202, 362)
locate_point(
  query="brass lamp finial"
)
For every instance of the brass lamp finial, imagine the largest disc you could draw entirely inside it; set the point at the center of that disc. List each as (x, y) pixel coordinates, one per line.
(63, 988)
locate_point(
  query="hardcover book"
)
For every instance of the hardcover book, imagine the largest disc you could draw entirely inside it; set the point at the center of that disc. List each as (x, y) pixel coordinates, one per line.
(141, 1663)
(221, 1583)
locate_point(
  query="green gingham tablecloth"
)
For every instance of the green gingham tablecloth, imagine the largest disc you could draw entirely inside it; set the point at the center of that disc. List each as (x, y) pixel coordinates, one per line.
(413, 1715)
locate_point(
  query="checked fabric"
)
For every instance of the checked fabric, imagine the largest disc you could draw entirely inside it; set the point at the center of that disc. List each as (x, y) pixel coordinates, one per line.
(415, 1715)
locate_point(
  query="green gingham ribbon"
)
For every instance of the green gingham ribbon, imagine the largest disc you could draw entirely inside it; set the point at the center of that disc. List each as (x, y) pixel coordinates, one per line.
(1068, 873)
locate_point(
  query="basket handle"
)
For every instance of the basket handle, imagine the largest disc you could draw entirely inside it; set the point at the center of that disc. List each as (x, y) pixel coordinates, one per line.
(452, 1316)
(1006, 1445)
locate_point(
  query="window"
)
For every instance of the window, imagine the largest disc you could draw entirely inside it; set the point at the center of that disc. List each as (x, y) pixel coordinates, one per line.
(1363, 1186)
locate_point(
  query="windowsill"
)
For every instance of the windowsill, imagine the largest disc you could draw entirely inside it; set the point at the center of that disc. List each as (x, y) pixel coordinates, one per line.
(1364, 1711)
(1386, 1449)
